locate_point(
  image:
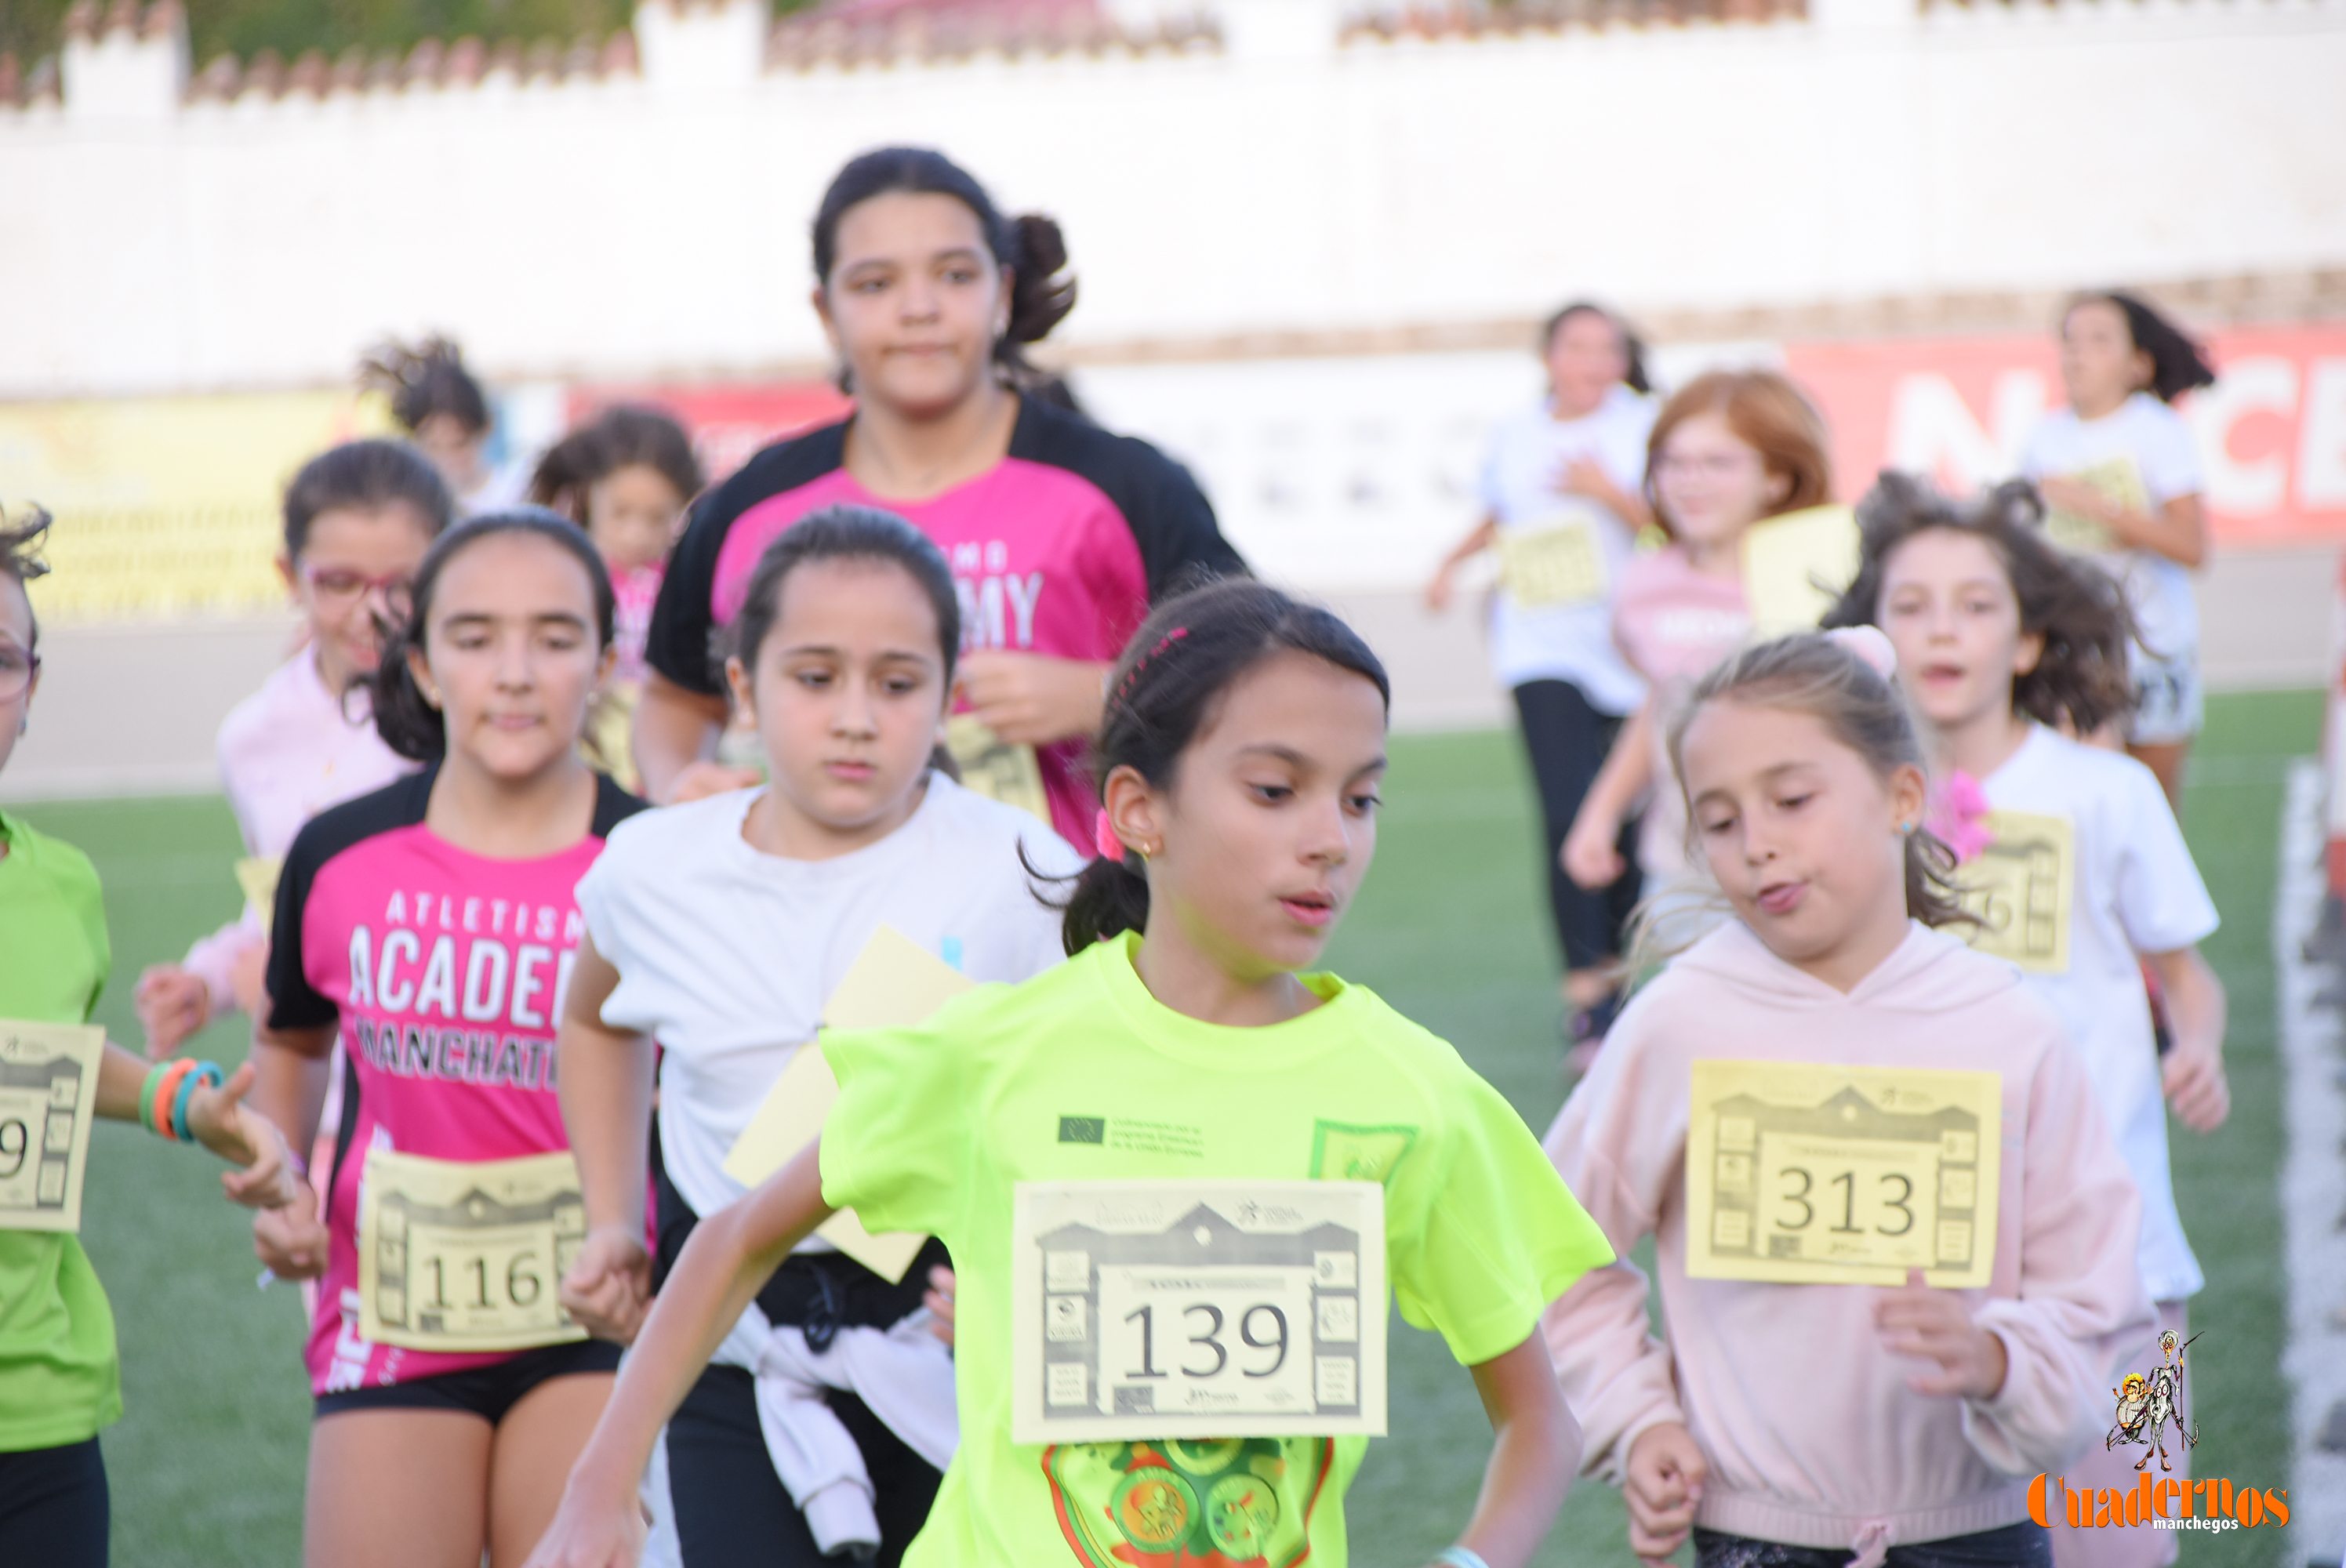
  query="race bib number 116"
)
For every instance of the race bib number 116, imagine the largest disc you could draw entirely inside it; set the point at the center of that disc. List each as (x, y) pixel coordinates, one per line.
(1153, 1310)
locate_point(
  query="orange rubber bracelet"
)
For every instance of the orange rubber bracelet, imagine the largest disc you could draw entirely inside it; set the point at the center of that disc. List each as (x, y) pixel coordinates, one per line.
(168, 1091)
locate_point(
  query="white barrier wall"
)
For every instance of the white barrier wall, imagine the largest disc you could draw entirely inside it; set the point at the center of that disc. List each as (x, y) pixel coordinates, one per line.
(641, 210)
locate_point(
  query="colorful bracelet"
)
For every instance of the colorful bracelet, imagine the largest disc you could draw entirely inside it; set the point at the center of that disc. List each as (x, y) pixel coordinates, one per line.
(207, 1074)
(155, 1108)
(147, 1095)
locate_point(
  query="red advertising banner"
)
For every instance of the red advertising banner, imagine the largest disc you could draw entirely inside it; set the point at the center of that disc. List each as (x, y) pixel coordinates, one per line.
(2272, 430)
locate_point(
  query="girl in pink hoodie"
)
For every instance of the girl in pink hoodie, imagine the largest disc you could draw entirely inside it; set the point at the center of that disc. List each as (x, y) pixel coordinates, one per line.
(1831, 1423)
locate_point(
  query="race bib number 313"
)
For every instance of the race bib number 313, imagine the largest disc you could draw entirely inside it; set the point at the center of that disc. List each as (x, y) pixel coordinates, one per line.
(1810, 1175)
(48, 1091)
(1167, 1310)
(455, 1256)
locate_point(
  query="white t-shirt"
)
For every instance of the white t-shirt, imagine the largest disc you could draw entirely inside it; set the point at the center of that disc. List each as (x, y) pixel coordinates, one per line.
(2152, 436)
(726, 955)
(2136, 891)
(1529, 451)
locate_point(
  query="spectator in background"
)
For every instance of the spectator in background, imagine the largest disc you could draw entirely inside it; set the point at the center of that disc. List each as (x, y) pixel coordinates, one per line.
(1563, 492)
(443, 410)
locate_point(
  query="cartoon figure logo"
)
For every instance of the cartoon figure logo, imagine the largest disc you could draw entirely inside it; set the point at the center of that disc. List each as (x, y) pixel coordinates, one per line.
(2147, 1404)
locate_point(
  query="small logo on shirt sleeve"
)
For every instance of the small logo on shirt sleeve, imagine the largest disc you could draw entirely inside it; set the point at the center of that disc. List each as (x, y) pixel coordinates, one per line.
(1083, 1129)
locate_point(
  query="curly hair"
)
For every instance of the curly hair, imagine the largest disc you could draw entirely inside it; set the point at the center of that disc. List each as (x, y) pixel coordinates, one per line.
(2079, 611)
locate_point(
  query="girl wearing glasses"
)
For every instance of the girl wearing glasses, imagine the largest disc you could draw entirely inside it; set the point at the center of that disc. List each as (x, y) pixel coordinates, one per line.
(358, 519)
(1729, 450)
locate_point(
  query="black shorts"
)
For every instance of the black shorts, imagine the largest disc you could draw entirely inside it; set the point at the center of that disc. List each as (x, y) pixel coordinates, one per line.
(53, 1506)
(488, 1392)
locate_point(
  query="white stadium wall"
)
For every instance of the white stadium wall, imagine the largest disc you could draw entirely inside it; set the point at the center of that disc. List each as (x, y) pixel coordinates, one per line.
(641, 209)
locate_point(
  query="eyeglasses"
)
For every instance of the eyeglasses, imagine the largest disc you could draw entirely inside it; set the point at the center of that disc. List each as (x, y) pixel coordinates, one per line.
(340, 584)
(17, 669)
(1715, 466)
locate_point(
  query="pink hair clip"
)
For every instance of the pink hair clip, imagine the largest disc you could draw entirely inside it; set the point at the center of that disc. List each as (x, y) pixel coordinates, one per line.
(1103, 839)
(1869, 643)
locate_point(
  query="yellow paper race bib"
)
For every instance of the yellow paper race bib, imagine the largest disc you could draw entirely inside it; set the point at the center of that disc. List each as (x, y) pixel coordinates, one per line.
(456, 1256)
(1802, 1174)
(2115, 479)
(1552, 562)
(2021, 888)
(49, 1093)
(257, 876)
(1796, 566)
(1205, 1310)
(995, 768)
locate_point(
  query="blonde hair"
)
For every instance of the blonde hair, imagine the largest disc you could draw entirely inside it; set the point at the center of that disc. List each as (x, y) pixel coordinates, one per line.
(1809, 673)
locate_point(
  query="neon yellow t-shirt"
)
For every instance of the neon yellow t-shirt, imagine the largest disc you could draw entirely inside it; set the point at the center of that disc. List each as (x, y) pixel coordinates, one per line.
(1080, 1075)
(59, 1381)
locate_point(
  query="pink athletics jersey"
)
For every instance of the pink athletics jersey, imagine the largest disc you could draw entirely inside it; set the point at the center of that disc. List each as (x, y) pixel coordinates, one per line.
(1060, 549)
(445, 972)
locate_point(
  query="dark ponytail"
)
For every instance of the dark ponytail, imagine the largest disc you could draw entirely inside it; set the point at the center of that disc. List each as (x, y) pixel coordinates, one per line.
(20, 559)
(2178, 363)
(1032, 247)
(412, 727)
(426, 379)
(365, 476)
(1633, 346)
(1161, 695)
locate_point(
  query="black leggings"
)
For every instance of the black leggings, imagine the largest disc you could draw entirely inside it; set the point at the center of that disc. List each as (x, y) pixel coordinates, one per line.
(731, 1508)
(1568, 740)
(53, 1506)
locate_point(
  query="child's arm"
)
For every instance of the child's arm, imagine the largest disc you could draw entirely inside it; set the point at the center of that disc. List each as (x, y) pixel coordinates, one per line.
(730, 1255)
(290, 1089)
(1592, 855)
(220, 1120)
(2194, 1070)
(605, 1085)
(1479, 538)
(1615, 1146)
(1532, 1461)
(2078, 1300)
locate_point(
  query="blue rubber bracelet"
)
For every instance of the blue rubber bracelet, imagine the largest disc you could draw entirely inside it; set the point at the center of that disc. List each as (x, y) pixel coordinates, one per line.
(207, 1072)
(1462, 1557)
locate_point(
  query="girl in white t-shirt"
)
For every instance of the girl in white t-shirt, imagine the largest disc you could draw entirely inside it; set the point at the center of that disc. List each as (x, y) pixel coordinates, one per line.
(1563, 491)
(719, 929)
(2001, 640)
(2121, 475)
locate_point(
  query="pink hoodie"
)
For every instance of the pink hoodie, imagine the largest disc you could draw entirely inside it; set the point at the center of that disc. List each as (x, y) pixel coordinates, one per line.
(1813, 1437)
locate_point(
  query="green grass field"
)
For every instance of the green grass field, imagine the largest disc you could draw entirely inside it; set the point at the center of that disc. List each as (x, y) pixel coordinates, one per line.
(206, 1463)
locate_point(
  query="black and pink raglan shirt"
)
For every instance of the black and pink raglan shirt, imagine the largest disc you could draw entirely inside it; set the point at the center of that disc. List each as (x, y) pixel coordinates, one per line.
(1059, 549)
(445, 972)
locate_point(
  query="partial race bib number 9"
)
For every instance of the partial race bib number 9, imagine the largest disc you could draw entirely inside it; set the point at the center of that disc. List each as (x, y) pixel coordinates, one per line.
(1556, 562)
(2021, 888)
(49, 1093)
(1202, 1310)
(1812, 1174)
(457, 1256)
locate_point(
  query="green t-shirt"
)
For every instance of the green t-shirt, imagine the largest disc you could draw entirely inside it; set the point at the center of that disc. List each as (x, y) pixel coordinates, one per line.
(1080, 1073)
(59, 1381)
